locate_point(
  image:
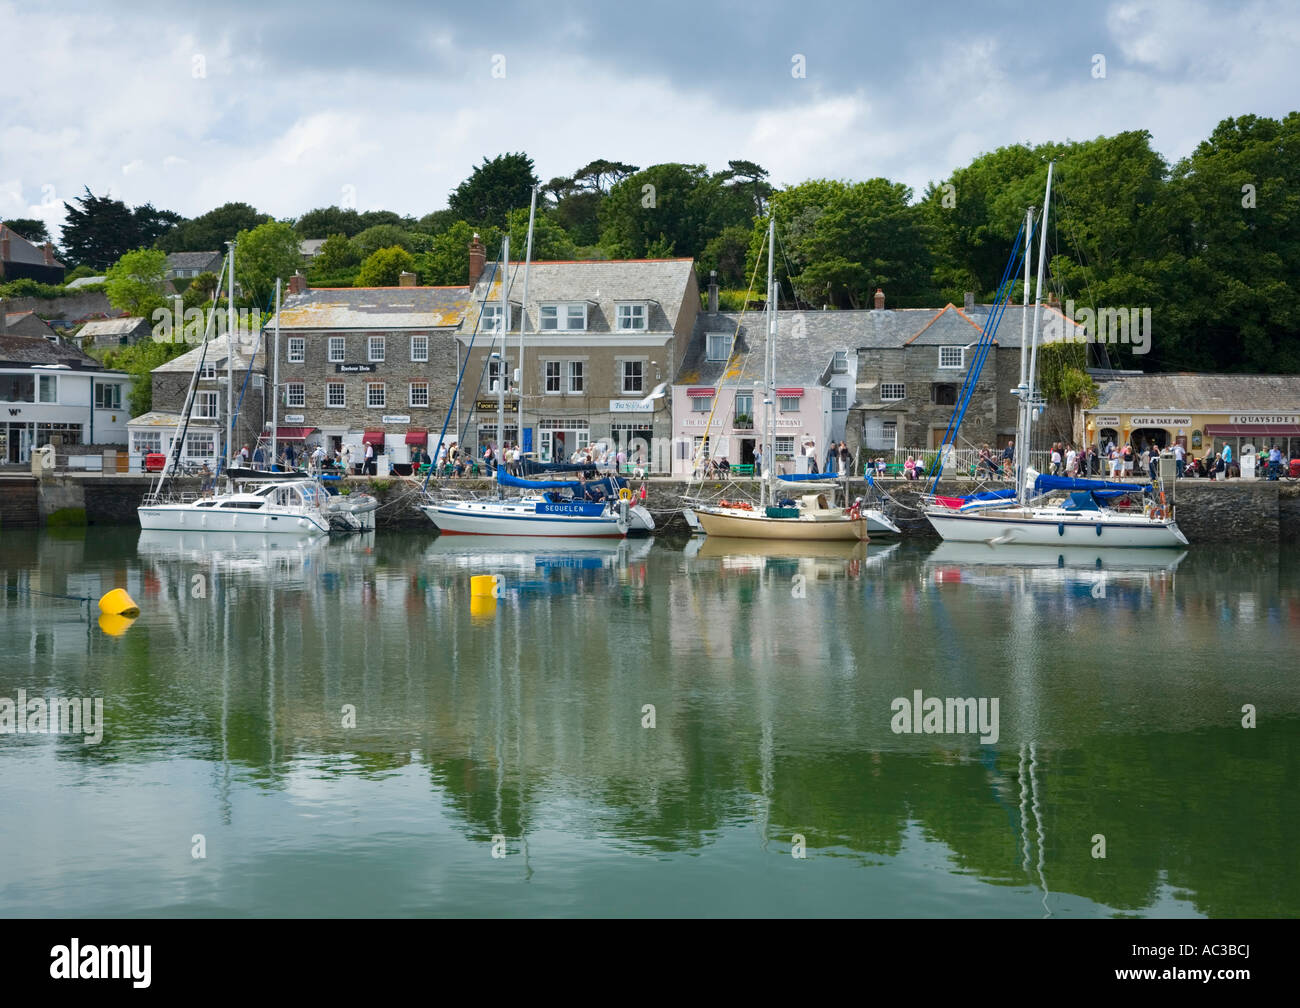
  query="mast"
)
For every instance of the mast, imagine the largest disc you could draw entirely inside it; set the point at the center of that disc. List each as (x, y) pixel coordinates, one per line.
(275, 380)
(769, 365)
(1027, 402)
(523, 323)
(230, 362)
(1022, 389)
(501, 368)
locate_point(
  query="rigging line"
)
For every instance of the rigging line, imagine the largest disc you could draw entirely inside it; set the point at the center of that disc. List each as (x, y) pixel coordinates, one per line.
(1038, 819)
(461, 377)
(1081, 252)
(1024, 809)
(735, 336)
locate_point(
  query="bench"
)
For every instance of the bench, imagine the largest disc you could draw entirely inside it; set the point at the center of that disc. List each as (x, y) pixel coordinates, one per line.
(892, 469)
(742, 470)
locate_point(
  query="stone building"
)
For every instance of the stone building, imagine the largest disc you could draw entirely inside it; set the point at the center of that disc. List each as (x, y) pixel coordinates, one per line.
(205, 436)
(368, 365)
(115, 332)
(600, 336)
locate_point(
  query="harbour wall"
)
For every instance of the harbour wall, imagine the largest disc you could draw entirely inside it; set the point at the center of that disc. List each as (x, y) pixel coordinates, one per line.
(1243, 511)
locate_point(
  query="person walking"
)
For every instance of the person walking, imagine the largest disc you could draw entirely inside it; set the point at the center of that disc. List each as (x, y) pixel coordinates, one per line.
(1180, 459)
(758, 461)
(845, 457)
(369, 460)
(243, 457)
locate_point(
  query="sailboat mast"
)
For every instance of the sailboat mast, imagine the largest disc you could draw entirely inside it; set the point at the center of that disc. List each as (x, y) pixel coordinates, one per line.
(1027, 402)
(523, 322)
(769, 365)
(230, 362)
(275, 380)
(501, 366)
(1022, 390)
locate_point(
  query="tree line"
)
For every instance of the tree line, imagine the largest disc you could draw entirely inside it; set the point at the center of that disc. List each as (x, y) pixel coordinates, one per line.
(1210, 243)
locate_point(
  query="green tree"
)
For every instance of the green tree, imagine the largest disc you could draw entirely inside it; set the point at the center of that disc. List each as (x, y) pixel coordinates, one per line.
(201, 289)
(381, 236)
(669, 206)
(726, 254)
(325, 221)
(267, 252)
(209, 232)
(137, 282)
(30, 228)
(446, 264)
(384, 267)
(98, 230)
(336, 255)
(550, 240)
(494, 188)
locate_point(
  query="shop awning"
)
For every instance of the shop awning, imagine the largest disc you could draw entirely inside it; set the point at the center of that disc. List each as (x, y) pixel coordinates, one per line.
(788, 392)
(418, 437)
(1252, 430)
(373, 437)
(699, 393)
(294, 433)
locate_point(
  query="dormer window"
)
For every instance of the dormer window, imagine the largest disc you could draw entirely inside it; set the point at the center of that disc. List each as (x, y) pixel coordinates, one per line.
(631, 317)
(490, 320)
(571, 317)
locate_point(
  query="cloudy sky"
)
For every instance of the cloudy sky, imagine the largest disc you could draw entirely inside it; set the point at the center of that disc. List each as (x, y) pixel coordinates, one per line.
(389, 104)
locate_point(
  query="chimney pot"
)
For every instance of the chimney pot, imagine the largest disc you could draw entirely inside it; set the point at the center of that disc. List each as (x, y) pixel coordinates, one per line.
(297, 284)
(713, 291)
(879, 299)
(477, 259)
(405, 279)
(48, 250)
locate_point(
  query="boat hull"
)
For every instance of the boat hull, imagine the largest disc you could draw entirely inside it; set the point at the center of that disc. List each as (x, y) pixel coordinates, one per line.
(878, 523)
(186, 518)
(520, 520)
(740, 525)
(1055, 528)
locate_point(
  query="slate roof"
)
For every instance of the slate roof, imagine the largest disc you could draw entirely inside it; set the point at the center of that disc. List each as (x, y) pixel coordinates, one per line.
(156, 419)
(194, 260)
(800, 360)
(85, 282)
(380, 308)
(113, 327)
(1200, 393)
(24, 351)
(1052, 323)
(189, 360)
(23, 251)
(602, 282)
(310, 247)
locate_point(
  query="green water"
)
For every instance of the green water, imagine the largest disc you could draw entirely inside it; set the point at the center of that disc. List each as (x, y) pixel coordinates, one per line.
(525, 732)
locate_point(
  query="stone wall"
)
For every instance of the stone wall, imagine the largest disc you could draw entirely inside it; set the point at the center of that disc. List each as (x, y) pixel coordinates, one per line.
(71, 308)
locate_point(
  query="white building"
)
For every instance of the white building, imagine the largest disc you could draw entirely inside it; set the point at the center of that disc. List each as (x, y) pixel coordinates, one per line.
(52, 389)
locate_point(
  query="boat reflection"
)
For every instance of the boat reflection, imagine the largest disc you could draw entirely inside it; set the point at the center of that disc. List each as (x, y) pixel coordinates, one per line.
(1090, 567)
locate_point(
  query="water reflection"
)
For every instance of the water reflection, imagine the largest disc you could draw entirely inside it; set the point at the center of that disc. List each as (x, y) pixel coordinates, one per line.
(626, 699)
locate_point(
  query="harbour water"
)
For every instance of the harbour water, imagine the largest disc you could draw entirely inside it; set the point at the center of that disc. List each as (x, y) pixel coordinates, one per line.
(637, 728)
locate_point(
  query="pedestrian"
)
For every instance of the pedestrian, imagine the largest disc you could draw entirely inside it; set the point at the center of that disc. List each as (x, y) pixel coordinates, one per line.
(1071, 461)
(1009, 455)
(1154, 463)
(1180, 459)
(489, 458)
(243, 456)
(1056, 459)
(845, 457)
(758, 461)
(369, 460)
(318, 459)
(288, 456)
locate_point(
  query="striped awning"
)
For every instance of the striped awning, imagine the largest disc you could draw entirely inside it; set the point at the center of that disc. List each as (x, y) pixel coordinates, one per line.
(699, 393)
(789, 392)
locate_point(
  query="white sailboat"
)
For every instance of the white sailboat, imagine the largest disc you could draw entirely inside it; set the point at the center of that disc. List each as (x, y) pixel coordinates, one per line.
(1096, 513)
(810, 517)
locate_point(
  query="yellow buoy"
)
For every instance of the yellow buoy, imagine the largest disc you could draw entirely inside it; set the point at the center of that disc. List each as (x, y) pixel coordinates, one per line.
(119, 603)
(482, 606)
(483, 586)
(113, 624)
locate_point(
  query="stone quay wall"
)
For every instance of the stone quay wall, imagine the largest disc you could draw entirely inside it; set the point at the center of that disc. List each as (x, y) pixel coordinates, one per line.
(1238, 511)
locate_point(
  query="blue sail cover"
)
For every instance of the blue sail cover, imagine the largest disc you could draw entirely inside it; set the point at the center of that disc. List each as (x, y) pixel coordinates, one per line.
(606, 484)
(808, 478)
(1102, 488)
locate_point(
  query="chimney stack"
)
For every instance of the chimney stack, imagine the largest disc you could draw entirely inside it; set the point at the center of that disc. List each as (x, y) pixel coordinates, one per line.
(713, 291)
(4, 248)
(477, 259)
(48, 250)
(970, 301)
(4, 325)
(879, 299)
(297, 284)
(405, 279)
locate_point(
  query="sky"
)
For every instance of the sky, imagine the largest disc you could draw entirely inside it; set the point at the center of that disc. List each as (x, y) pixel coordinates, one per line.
(390, 104)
